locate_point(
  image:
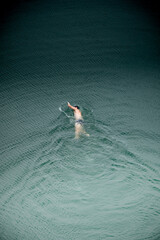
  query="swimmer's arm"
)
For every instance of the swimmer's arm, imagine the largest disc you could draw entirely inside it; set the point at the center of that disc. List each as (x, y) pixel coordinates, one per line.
(69, 105)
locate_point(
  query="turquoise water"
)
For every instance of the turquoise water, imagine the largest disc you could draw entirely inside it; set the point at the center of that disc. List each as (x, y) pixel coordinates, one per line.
(104, 57)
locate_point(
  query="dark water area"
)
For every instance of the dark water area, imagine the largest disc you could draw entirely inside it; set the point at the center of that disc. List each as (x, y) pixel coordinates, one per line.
(103, 56)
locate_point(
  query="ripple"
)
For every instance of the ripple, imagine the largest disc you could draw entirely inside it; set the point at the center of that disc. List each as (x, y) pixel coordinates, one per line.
(73, 182)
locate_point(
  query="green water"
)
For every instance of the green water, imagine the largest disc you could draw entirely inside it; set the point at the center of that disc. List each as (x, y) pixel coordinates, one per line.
(104, 57)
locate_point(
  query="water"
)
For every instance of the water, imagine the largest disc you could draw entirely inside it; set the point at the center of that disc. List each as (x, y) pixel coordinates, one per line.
(103, 57)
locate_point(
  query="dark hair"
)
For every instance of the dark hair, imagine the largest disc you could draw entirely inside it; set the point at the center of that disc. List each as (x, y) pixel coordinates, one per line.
(76, 107)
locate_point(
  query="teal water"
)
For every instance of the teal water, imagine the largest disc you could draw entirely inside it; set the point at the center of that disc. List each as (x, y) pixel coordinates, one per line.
(104, 57)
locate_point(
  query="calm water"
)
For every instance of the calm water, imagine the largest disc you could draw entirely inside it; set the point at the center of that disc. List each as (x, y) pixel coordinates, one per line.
(104, 57)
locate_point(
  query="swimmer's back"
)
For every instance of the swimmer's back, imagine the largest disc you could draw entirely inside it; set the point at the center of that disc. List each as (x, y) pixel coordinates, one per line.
(78, 115)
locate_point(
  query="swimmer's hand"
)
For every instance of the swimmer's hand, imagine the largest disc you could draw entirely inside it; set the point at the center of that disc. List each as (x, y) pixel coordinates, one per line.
(69, 104)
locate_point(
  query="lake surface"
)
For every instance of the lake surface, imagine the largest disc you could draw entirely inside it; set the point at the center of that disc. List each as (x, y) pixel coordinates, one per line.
(104, 57)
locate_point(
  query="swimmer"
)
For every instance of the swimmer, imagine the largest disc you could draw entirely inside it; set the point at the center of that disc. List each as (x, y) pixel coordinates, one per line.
(79, 129)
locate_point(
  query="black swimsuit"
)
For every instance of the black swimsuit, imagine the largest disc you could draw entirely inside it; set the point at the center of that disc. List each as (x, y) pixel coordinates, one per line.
(79, 121)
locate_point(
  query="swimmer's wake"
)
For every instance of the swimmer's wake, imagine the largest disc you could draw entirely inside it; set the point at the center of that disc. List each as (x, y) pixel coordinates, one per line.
(60, 109)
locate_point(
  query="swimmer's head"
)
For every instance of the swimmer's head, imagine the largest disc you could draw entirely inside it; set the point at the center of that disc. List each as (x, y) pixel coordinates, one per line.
(76, 107)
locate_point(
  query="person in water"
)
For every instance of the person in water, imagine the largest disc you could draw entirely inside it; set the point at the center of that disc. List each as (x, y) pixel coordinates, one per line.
(79, 129)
